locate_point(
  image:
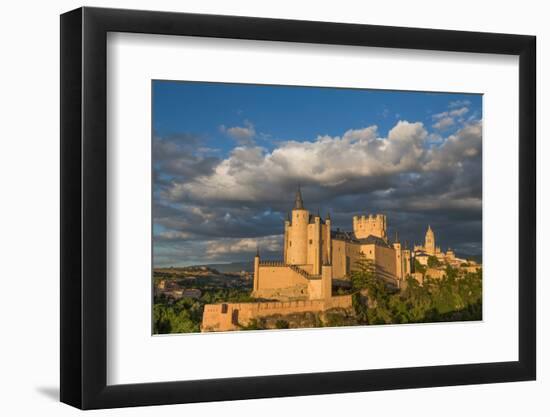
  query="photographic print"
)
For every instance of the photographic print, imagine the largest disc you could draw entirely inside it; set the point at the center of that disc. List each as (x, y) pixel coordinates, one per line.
(289, 207)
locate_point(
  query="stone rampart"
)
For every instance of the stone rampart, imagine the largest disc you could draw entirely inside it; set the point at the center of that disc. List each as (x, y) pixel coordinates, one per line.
(232, 316)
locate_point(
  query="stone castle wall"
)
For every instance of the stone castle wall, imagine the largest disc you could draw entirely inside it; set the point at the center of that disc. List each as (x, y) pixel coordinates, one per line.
(344, 256)
(385, 264)
(280, 281)
(275, 280)
(231, 316)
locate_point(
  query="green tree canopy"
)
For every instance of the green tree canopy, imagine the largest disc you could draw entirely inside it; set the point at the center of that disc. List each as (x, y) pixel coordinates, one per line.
(433, 262)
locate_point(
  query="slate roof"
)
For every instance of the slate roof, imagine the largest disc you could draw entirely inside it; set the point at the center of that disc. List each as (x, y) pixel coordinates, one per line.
(298, 201)
(341, 235)
(378, 241)
(312, 219)
(350, 237)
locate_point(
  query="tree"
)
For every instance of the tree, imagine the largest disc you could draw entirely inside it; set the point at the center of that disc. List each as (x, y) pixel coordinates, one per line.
(363, 274)
(433, 262)
(282, 324)
(178, 318)
(452, 298)
(418, 267)
(363, 277)
(360, 308)
(255, 324)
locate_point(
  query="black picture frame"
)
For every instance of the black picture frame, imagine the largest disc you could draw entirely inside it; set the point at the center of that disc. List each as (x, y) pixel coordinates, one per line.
(84, 207)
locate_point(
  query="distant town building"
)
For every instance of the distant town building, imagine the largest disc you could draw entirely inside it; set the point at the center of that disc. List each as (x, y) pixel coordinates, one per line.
(423, 252)
(435, 273)
(191, 293)
(171, 289)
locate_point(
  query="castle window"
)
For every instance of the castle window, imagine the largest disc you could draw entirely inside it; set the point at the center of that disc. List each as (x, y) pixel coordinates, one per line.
(235, 317)
(310, 241)
(289, 243)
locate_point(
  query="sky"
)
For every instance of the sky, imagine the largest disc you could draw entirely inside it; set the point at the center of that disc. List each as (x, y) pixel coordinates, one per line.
(228, 158)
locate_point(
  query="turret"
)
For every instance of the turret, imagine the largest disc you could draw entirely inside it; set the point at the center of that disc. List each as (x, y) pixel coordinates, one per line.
(286, 238)
(297, 233)
(256, 269)
(298, 202)
(328, 239)
(398, 258)
(315, 239)
(407, 258)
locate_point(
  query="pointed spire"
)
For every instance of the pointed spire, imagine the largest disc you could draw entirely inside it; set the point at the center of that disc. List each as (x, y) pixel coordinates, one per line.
(299, 203)
(396, 237)
(258, 251)
(328, 215)
(288, 216)
(318, 212)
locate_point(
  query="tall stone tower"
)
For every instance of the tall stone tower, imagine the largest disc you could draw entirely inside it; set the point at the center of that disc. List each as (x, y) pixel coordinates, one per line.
(296, 232)
(429, 244)
(365, 226)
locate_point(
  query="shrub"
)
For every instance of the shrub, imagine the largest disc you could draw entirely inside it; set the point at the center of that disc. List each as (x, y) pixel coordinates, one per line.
(282, 324)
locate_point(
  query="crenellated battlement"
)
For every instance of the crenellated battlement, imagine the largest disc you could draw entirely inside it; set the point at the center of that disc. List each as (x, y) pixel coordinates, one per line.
(370, 217)
(372, 224)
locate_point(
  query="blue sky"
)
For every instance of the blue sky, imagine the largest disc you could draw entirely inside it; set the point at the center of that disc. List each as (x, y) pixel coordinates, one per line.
(231, 155)
(284, 112)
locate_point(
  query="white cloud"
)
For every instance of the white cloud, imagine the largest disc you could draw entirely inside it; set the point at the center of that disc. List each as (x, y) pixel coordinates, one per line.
(459, 103)
(443, 123)
(457, 148)
(252, 174)
(173, 235)
(446, 119)
(234, 246)
(222, 208)
(459, 112)
(243, 135)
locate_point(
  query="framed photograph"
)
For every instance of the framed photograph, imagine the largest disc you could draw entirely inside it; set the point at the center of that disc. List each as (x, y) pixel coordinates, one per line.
(256, 208)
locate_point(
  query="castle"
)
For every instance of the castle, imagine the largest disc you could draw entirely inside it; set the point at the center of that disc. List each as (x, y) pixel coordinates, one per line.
(315, 258)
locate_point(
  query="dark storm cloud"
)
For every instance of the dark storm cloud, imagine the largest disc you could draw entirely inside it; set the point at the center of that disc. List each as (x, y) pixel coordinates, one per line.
(211, 222)
(172, 252)
(221, 209)
(181, 158)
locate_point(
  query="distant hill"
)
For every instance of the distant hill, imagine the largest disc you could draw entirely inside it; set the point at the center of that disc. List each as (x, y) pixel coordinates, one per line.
(235, 267)
(232, 267)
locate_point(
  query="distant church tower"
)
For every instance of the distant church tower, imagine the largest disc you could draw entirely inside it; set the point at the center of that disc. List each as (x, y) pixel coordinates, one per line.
(429, 244)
